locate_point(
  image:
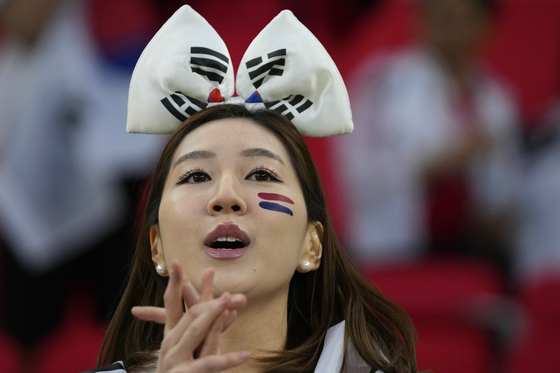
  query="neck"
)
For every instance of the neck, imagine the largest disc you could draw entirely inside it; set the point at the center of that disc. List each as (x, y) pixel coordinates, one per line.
(260, 328)
(459, 66)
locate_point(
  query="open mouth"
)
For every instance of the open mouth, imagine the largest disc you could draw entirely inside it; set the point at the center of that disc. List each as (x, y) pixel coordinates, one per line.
(227, 243)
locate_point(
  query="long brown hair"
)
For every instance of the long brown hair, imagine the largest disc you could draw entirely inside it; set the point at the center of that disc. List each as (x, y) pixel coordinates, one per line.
(380, 331)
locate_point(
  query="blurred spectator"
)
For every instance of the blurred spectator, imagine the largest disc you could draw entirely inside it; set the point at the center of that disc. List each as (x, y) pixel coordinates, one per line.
(69, 173)
(433, 163)
(538, 237)
(537, 254)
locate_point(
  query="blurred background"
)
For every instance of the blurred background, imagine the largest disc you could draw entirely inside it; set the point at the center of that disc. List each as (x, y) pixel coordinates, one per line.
(447, 195)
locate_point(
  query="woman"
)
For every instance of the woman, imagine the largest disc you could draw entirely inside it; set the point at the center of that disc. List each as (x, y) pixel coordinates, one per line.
(237, 207)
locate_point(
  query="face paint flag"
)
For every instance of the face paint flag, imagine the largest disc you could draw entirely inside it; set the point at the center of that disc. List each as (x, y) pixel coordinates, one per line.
(182, 106)
(259, 69)
(275, 206)
(209, 63)
(287, 106)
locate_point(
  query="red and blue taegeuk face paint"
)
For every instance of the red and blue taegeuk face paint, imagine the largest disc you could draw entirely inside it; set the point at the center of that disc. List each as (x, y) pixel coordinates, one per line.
(273, 206)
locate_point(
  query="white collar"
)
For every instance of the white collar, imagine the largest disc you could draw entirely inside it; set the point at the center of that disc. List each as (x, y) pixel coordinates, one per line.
(331, 358)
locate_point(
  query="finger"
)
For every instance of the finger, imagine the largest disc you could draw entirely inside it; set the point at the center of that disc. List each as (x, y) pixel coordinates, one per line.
(172, 297)
(158, 314)
(173, 336)
(207, 285)
(190, 295)
(149, 313)
(232, 315)
(191, 331)
(211, 345)
(237, 301)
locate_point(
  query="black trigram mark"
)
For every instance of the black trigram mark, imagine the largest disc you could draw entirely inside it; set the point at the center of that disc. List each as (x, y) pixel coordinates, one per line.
(209, 63)
(259, 69)
(182, 106)
(286, 106)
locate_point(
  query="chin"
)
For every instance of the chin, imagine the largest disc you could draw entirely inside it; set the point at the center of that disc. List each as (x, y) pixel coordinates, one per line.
(232, 283)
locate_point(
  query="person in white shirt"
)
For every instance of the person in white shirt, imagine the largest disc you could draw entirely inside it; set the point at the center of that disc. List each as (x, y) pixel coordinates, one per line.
(434, 162)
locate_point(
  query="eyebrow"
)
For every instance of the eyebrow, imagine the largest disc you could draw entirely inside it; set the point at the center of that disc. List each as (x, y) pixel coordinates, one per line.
(196, 154)
(260, 152)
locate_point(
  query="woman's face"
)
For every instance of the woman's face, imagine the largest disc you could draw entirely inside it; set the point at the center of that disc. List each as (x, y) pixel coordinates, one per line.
(232, 201)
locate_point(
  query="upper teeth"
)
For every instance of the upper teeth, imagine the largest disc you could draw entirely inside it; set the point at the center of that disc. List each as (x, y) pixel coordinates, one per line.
(228, 239)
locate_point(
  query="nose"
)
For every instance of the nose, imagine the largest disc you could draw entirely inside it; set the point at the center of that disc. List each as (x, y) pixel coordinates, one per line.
(226, 197)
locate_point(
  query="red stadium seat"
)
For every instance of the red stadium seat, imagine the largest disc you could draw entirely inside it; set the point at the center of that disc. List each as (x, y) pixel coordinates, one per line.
(452, 302)
(538, 349)
(74, 346)
(11, 354)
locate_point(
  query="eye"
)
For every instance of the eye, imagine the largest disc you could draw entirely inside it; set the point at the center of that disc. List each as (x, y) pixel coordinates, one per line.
(263, 174)
(193, 177)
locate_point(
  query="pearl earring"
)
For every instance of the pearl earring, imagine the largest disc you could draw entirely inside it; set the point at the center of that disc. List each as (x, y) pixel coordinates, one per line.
(160, 269)
(305, 266)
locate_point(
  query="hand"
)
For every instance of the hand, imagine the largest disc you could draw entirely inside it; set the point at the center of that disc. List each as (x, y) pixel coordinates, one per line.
(191, 338)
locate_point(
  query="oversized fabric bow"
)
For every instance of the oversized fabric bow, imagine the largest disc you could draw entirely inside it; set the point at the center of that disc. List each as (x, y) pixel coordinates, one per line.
(186, 67)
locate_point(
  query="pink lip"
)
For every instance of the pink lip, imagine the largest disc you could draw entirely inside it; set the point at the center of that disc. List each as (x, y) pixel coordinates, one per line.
(228, 229)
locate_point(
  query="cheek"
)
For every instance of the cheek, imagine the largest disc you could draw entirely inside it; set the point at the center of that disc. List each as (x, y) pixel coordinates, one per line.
(178, 219)
(284, 220)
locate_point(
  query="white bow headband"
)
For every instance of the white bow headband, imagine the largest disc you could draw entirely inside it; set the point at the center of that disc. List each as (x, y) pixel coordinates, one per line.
(186, 67)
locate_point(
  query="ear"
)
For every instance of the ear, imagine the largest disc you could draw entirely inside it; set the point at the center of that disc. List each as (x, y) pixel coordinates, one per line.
(313, 247)
(157, 250)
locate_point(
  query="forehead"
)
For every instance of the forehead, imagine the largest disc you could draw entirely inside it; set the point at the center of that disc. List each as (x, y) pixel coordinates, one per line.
(230, 135)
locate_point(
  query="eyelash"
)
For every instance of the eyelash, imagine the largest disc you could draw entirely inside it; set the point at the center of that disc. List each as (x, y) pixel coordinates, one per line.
(273, 175)
(186, 176)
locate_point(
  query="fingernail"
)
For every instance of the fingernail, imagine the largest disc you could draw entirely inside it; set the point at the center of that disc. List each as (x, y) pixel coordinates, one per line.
(225, 298)
(243, 355)
(176, 275)
(225, 314)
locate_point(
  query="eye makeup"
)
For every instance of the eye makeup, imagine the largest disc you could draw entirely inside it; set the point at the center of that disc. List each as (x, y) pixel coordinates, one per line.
(272, 206)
